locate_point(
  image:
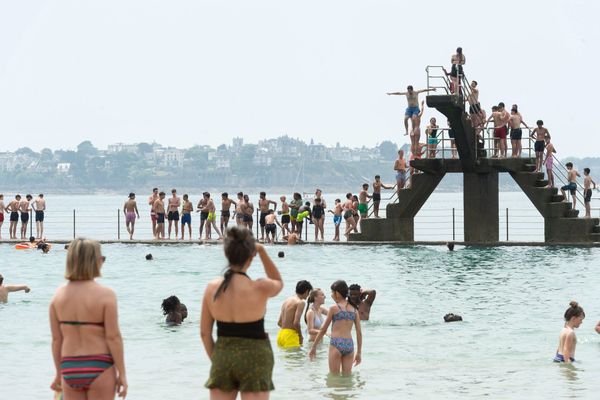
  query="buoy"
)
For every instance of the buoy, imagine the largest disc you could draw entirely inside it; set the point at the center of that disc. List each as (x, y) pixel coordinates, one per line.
(23, 246)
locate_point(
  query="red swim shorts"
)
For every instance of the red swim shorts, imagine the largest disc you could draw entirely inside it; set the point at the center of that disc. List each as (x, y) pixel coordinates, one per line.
(500, 133)
(1, 217)
(153, 217)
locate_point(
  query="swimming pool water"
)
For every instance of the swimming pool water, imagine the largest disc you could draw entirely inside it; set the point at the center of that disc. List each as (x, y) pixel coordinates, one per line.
(512, 301)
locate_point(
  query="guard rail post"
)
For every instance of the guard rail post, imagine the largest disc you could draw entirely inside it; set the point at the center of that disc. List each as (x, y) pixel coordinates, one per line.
(118, 224)
(73, 223)
(453, 225)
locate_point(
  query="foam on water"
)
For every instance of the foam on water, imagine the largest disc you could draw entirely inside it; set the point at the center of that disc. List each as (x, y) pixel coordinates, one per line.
(512, 301)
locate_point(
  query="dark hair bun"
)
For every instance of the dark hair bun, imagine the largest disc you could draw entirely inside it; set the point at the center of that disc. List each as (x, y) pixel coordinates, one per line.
(574, 304)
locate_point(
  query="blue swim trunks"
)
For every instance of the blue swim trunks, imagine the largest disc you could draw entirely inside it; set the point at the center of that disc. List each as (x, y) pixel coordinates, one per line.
(186, 219)
(337, 220)
(571, 187)
(410, 111)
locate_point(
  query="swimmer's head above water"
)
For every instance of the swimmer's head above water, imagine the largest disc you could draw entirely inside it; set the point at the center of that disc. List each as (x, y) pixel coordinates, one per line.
(303, 289)
(574, 314)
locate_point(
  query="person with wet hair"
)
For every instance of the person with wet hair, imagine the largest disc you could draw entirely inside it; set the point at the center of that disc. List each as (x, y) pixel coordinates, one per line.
(597, 328)
(363, 298)
(567, 340)
(241, 358)
(172, 309)
(183, 311)
(343, 315)
(290, 334)
(313, 316)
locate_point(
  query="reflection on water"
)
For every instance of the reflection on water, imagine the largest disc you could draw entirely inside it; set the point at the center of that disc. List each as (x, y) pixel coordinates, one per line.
(343, 387)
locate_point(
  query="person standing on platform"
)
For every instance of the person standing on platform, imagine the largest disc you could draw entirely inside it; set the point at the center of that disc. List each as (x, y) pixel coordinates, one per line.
(13, 209)
(2, 212)
(549, 162)
(39, 206)
(587, 191)
(456, 72)
(25, 208)
(400, 168)
(212, 218)
(201, 208)
(159, 208)
(173, 212)
(186, 216)
(474, 106)
(131, 211)
(539, 134)
(226, 203)
(499, 131)
(295, 205)
(363, 199)
(572, 185)
(263, 206)
(515, 121)
(285, 215)
(151, 200)
(412, 97)
(248, 209)
(377, 186)
(239, 214)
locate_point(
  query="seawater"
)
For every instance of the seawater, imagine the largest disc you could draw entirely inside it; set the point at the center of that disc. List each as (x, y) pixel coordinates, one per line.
(512, 301)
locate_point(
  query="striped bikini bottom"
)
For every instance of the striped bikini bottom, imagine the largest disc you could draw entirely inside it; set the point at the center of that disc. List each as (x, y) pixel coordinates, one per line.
(79, 372)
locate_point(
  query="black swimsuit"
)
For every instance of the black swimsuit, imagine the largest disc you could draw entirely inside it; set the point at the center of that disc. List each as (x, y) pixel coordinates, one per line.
(318, 211)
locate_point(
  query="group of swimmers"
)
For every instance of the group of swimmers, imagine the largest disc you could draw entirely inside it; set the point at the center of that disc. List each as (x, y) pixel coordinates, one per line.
(352, 305)
(19, 209)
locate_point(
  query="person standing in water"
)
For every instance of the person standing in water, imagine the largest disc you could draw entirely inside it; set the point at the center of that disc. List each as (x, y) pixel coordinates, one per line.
(131, 211)
(87, 346)
(343, 315)
(567, 340)
(290, 334)
(315, 312)
(241, 358)
(363, 299)
(5, 290)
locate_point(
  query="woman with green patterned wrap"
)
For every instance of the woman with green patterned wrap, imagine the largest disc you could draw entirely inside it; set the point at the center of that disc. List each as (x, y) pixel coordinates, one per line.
(241, 358)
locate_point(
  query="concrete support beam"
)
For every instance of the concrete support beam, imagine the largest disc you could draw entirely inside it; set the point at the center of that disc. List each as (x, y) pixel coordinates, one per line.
(481, 207)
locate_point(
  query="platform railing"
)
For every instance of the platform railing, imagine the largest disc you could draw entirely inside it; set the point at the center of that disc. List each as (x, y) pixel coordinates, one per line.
(561, 174)
(490, 142)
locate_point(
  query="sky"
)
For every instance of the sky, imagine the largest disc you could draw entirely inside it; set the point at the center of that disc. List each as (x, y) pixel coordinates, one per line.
(189, 72)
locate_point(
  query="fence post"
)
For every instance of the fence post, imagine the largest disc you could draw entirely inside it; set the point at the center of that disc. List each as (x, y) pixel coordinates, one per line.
(31, 222)
(73, 223)
(305, 230)
(453, 225)
(118, 224)
(257, 222)
(507, 224)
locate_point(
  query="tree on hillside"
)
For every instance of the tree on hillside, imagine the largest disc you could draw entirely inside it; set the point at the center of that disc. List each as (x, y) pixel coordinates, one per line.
(87, 149)
(145, 148)
(388, 150)
(26, 151)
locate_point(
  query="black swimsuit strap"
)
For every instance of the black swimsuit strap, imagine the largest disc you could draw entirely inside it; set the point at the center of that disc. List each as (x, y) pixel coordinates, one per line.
(227, 279)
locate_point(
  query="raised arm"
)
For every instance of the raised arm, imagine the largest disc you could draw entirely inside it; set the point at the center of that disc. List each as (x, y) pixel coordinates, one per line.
(426, 90)
(274, 205)
(114, 340)
(273, 284)
(369, 296)
(396, 93)
(17, 288)
(206, 326)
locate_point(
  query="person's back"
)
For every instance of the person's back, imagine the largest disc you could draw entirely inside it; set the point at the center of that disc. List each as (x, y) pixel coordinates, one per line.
(241, 358)
(290, 335)
(86, 342)
(80, 307)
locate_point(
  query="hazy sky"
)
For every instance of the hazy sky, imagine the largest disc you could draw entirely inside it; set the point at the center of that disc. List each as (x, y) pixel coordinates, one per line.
(202, 72)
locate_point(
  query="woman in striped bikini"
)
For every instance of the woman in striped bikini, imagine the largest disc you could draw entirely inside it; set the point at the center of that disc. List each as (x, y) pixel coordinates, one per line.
(86, 341)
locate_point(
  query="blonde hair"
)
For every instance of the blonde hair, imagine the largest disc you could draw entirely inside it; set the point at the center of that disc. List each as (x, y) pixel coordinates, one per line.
(83, 260)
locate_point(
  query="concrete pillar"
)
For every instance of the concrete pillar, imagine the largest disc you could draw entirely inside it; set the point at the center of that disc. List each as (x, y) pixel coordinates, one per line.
(480, 199)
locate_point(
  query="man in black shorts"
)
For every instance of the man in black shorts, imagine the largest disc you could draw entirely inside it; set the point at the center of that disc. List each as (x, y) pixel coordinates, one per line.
(25, 207)
(263, 206)
(13, 208)
(201, 208)
(226, 203)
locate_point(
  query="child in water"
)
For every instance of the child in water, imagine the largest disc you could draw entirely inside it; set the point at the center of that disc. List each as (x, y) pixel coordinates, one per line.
(343, 315)
(567, 340)
(172, 308)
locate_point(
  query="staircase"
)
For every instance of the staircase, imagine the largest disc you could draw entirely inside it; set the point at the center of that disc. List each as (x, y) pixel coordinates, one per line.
(561, 222)
(399, 222)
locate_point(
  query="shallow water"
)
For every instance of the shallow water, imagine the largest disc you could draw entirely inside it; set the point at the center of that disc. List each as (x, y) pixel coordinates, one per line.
(512, 301)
